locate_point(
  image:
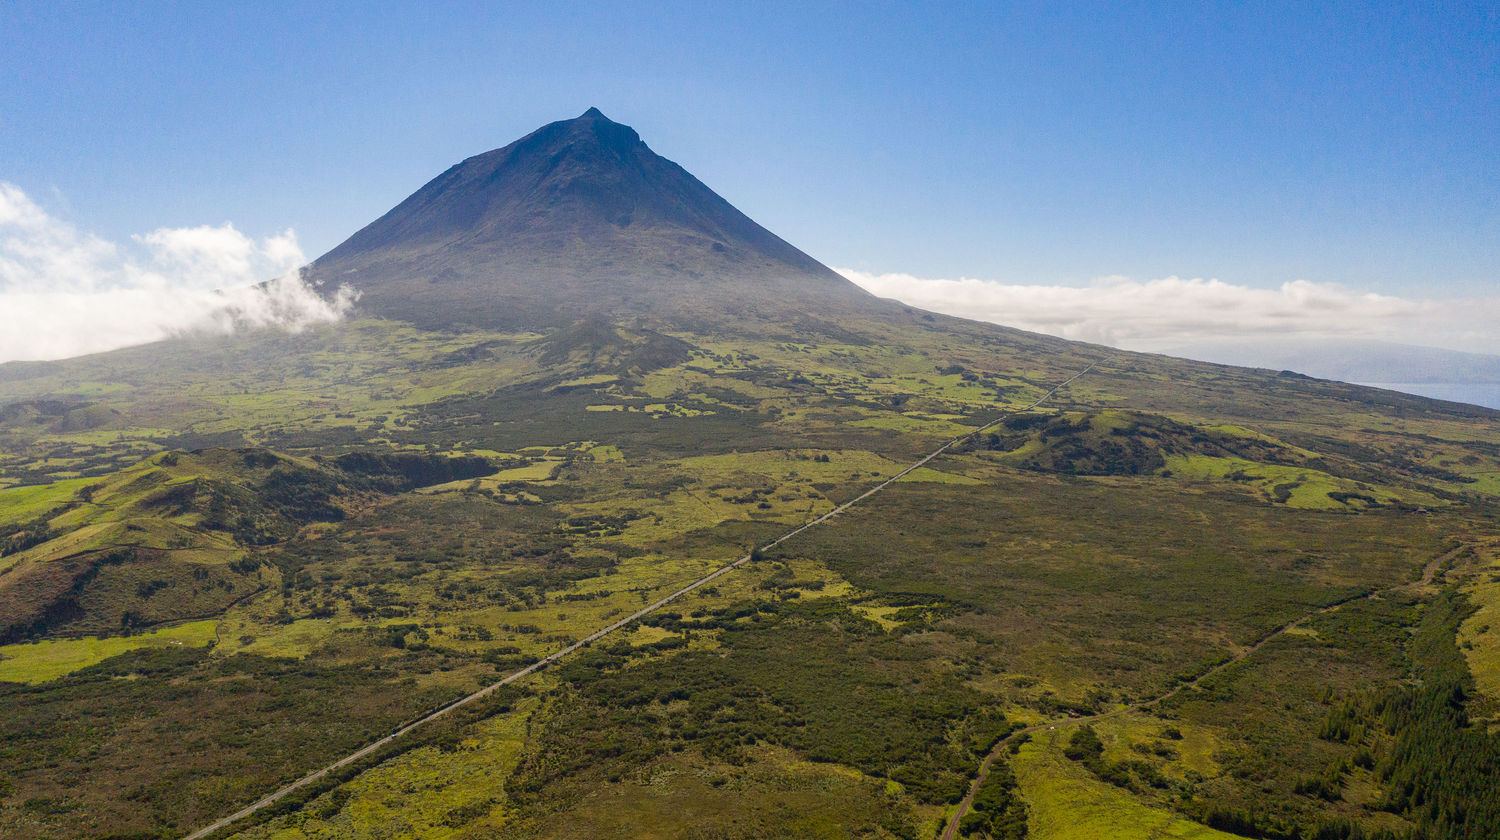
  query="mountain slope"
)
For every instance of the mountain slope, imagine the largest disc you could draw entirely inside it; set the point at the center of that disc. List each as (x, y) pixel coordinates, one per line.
(579, 217)
(1205, 591)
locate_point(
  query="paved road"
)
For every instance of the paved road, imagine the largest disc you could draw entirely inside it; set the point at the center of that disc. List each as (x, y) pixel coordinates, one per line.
(950, 831)
(368, 749)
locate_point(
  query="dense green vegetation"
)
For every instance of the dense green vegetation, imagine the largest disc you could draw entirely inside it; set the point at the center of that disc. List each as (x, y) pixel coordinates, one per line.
(1439, 770)
(846, 693)
(160, 738)
(215, 577)
(998, 811)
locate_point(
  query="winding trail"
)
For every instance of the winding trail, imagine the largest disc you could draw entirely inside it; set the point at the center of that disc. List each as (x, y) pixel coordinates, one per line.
(368, 749)
(950, 831)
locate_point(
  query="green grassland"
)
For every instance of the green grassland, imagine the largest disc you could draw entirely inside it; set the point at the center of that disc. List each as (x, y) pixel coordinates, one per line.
(1479, 635)
(428, 792)
(1298, 487)
(40, 662)
(372, 520)
(22, 504)
(1067, 803)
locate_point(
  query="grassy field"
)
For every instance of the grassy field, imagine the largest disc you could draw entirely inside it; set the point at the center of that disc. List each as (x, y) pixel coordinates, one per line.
(40, 662)
(455, 788)
(1479, 635)
(1297, 487)
(1068, 803)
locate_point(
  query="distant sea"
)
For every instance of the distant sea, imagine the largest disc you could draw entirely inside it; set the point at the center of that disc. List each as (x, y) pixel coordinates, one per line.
(1487, 395)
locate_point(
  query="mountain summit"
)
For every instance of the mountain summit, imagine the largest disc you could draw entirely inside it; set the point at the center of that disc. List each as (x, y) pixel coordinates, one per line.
(577, 218)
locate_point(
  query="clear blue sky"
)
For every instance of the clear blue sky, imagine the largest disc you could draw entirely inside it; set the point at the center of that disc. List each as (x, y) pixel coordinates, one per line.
(1257, 143)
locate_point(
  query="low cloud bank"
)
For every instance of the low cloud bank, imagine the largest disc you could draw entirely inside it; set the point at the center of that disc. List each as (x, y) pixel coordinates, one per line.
(1156, 315)
(65, 293)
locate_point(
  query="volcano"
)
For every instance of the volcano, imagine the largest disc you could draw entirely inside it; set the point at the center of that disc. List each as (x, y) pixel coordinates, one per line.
(577, 219)
(805, 559)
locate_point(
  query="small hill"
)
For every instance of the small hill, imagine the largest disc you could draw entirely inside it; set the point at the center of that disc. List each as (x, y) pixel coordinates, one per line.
(176, 536)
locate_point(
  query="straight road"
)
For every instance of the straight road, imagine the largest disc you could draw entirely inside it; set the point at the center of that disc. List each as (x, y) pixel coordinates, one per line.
(371, 748)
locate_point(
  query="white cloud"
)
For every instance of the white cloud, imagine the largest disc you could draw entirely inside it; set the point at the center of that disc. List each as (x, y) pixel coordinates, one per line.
(203, 254)
(1174, 311)
(64, 292)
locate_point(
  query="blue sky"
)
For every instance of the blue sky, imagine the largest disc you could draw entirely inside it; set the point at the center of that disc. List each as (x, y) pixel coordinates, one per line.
(1260, 144)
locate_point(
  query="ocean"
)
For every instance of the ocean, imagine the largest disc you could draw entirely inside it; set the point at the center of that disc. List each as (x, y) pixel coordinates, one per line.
(1487, 395)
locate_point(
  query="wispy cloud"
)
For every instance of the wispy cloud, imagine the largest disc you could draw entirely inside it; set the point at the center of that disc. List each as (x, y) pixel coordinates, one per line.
(1173, 311)
(65, 292)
